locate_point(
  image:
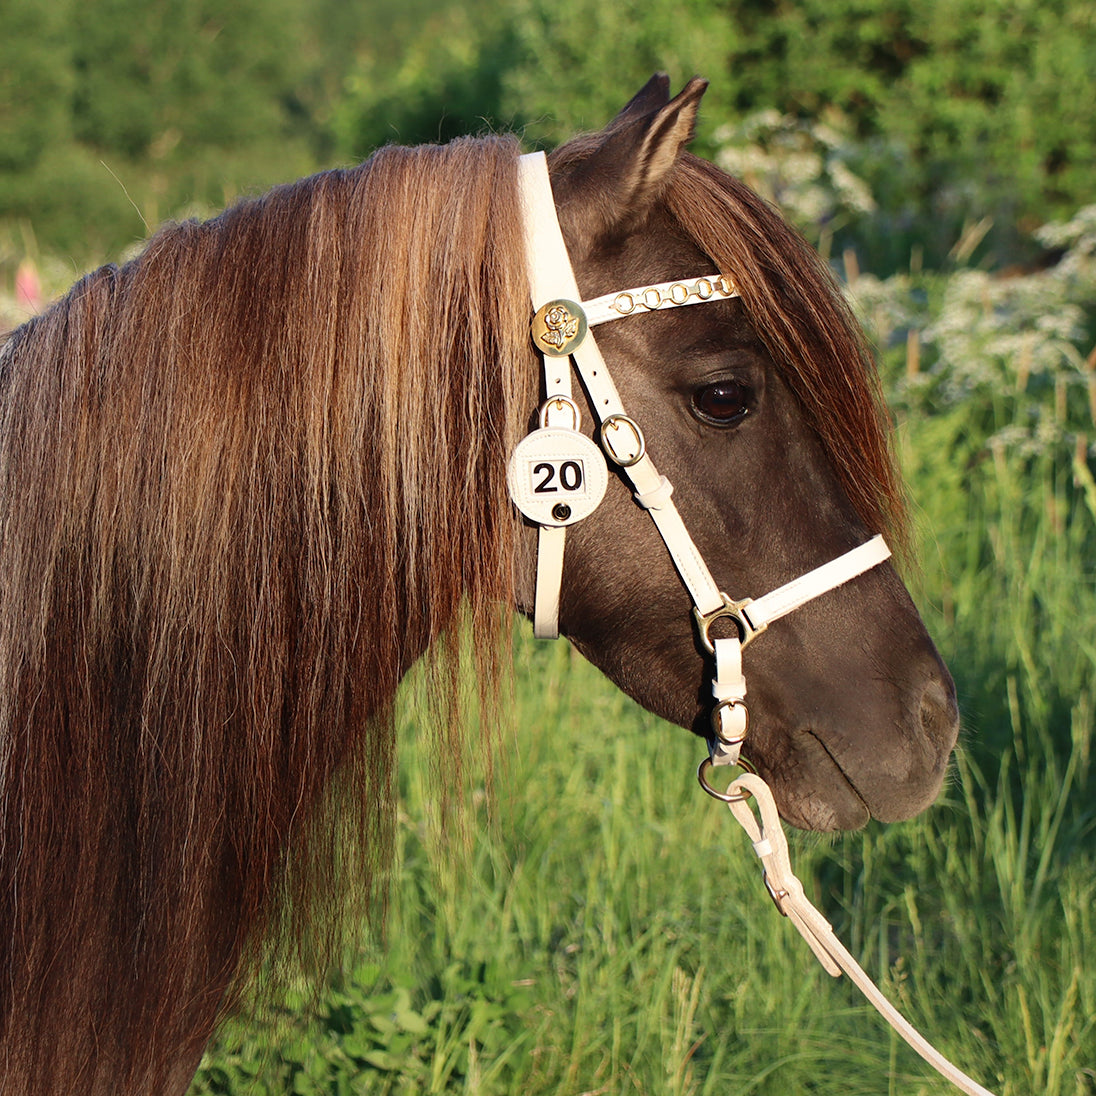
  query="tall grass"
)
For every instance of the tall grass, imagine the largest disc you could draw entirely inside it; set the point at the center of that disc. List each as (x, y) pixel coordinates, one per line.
(606, 932)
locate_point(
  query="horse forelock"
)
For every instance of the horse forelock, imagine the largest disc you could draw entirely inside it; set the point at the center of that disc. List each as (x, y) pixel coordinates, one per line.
(798, 311)
(245, 481)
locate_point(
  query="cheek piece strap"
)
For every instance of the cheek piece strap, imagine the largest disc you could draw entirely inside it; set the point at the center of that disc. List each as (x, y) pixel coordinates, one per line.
(557, 476)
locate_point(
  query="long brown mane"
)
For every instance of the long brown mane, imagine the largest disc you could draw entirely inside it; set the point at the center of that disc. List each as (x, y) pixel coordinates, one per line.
(245, 481)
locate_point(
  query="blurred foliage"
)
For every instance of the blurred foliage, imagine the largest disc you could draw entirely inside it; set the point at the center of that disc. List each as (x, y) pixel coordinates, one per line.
(117, 114)
(952, 112)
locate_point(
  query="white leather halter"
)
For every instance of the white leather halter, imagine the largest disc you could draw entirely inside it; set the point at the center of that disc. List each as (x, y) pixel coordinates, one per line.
(557, 476)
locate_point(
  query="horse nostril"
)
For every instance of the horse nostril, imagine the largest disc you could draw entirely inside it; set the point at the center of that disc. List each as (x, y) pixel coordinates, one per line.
(940, 714)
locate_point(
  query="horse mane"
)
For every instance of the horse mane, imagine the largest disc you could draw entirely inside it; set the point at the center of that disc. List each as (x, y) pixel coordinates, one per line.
(799, 312)
(226, 469)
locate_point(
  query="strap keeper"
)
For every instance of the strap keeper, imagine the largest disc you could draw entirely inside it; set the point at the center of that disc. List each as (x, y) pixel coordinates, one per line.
(656, 498)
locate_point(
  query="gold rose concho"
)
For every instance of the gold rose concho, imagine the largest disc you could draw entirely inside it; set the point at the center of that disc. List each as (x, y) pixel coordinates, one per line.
(558, 327)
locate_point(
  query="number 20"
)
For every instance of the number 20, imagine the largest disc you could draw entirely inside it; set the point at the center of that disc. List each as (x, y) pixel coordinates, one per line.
(569, 473)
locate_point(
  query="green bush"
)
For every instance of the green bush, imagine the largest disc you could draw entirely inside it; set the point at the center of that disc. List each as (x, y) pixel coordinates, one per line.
(953, 112)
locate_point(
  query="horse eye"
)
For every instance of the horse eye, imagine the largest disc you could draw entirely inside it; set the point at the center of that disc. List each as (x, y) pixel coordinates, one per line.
(724, 403)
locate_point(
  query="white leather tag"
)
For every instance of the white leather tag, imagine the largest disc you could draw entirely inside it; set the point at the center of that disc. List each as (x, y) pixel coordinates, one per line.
(557, 476)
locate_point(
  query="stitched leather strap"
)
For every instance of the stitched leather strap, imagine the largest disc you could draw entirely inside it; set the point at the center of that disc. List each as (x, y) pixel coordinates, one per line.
(650, 298)
(551, 542)
(730, 717)
(799, 591)
(771, 845)
(550, 273)
(552, 278)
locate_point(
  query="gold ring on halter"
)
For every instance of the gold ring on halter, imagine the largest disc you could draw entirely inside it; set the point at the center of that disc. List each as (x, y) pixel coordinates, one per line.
(557, 403)
(726, 797)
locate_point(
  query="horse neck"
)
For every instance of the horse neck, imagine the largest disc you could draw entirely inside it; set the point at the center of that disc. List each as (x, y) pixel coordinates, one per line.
(244, 483)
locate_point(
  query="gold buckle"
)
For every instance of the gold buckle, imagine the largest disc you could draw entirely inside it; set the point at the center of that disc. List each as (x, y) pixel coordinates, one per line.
(729, 705)
(625, 457)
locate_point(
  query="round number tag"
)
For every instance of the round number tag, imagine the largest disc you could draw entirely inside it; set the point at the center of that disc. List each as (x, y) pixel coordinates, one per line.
(557, 476)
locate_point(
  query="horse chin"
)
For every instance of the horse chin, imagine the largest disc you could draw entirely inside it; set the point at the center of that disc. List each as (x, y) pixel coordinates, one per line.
(825, 802)
(811, 790)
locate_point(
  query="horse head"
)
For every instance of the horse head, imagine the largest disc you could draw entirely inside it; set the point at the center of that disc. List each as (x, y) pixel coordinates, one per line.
(763, 412)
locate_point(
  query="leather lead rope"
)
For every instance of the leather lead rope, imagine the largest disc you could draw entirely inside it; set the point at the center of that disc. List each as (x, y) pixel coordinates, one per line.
(769, 842)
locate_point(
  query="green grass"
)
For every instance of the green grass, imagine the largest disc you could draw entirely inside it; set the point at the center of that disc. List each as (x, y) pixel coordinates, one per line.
(607, 931)
(603, 927)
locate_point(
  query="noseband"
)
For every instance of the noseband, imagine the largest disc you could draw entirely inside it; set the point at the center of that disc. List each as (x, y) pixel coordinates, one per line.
(557, 476)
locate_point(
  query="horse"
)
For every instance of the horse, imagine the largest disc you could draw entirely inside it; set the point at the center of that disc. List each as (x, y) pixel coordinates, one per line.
(250, 477)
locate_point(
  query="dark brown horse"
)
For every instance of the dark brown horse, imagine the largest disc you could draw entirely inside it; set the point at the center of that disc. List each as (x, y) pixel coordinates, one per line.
(250, 477)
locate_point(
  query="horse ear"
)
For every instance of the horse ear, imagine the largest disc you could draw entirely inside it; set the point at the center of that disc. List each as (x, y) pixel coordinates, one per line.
(653, 96)
(617, 180)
